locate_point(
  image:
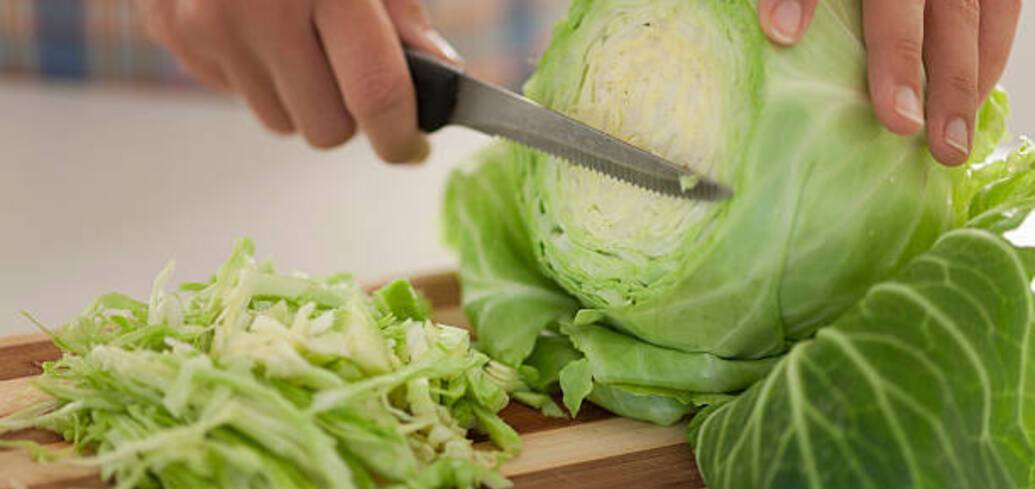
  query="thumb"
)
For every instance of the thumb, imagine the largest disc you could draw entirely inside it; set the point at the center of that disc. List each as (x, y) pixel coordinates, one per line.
(785, 21)
(414, 29)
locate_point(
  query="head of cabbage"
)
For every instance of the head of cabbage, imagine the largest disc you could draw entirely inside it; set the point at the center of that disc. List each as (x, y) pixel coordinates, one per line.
(852, 293)
(652, 306)
(826, 203)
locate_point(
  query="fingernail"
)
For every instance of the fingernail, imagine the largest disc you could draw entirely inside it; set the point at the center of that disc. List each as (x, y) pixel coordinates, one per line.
(787, 16)
(956, 135)
(442, 46)
(420, 154)
(907, 104)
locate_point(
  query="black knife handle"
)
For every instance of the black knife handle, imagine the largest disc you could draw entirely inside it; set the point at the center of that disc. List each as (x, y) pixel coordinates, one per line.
(436, 84)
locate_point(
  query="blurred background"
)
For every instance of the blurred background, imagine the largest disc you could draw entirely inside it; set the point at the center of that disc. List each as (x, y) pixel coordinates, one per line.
(113, 162)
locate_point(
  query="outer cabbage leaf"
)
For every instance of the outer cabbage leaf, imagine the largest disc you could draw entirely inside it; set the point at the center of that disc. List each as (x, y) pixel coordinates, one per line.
(507, 299)
(553, 353)
(616, 358)
(928, 382)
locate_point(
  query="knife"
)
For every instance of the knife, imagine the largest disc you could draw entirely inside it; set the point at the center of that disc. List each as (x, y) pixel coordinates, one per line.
(446, 95)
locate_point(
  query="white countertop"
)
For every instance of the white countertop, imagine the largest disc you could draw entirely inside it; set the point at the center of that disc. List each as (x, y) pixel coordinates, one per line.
(99, 188)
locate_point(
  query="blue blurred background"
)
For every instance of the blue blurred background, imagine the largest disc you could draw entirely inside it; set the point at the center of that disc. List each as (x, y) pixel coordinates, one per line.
(103, 40)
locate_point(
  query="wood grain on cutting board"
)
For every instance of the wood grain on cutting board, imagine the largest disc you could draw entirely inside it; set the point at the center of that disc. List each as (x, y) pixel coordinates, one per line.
(595, 450)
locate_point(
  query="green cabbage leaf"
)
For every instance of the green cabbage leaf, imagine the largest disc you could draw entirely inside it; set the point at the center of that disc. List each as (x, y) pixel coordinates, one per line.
(930, 378)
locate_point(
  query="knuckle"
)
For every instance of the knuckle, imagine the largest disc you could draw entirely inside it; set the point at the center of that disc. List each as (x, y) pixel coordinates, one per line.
(274, 18)
(282, 37)
(963, 85)
(969, 11)
(907, 50)
(378, 90)
(914, 8)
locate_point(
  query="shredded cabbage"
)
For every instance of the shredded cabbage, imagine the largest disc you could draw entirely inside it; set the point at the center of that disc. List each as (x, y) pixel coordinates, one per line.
(261, 379)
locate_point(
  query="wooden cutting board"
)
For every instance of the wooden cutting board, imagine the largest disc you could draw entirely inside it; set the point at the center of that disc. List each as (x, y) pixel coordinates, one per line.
(596, 450)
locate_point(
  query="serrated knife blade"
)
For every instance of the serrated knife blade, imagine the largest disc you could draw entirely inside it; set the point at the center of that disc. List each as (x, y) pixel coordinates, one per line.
(447, 96)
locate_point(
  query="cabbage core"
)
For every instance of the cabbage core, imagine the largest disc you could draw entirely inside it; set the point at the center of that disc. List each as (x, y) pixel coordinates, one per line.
(656, 74)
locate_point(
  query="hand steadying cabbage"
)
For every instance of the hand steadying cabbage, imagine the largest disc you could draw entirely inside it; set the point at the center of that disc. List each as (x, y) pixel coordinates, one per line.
(655, 307)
